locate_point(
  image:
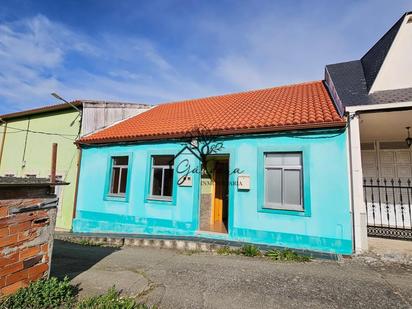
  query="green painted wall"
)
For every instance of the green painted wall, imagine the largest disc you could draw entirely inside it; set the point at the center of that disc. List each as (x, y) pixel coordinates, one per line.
(28, 152)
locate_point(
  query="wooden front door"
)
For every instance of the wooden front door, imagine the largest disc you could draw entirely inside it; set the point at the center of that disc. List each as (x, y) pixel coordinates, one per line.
(221, 191)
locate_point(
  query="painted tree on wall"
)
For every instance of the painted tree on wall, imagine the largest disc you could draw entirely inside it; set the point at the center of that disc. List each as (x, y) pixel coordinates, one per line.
(202, 143)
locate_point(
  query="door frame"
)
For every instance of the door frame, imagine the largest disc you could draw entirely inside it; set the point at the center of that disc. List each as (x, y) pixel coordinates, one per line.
(213, 215)
(228, 156)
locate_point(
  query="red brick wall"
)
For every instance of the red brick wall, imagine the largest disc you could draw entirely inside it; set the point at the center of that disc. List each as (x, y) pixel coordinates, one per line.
(25, 244)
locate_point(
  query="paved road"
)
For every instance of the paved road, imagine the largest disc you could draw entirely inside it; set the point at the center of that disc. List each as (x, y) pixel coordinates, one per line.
(201, 280)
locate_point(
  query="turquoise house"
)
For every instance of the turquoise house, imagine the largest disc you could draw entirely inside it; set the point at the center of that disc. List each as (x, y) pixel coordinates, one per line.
(266, 166)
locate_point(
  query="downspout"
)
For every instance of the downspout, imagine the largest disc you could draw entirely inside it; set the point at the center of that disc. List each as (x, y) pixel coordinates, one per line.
(3, 139)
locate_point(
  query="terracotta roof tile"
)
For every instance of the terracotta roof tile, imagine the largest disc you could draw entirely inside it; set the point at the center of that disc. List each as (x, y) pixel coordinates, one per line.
(299, 106)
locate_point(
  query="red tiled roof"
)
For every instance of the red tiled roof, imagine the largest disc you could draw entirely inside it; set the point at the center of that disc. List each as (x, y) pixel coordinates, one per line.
(300, 106)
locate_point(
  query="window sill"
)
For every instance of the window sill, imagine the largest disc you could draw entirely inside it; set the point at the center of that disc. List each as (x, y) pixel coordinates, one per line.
(279, 211)
(115, 197)
(159, 199)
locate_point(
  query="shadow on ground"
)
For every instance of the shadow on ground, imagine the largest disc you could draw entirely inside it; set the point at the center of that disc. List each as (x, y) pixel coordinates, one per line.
(70, 259)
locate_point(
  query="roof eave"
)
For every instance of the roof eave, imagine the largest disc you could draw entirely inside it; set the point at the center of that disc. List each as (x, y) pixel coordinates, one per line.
(335, 124)
(41, 110)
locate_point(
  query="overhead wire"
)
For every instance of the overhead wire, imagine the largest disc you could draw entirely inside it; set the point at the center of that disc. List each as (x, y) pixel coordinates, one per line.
(63, 135)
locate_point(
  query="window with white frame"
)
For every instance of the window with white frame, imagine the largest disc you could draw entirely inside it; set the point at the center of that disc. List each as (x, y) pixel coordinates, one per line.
(118, 182)
(283, 181)
(161, 185)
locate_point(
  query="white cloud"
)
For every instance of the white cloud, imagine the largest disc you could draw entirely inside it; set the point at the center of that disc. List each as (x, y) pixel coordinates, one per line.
(239, 70)
(31, 51)
(38, 43)
(272, 46)
(33, 63)
(256, 44)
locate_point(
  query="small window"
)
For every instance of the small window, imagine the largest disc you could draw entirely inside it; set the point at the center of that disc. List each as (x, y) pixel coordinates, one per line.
(118, 182)
(161, 186)
(283, 181)
(31, 176)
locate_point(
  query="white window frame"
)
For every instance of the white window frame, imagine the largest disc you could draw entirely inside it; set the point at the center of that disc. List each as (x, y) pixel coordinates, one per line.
(163, 167)
(121, 168)
(283, 168)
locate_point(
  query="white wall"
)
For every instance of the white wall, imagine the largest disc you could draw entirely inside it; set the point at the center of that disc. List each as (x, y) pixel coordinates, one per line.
(396, 70)
(98, 115)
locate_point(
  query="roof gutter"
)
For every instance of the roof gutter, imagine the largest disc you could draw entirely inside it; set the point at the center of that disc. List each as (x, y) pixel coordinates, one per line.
(379, 107)
(338, 125)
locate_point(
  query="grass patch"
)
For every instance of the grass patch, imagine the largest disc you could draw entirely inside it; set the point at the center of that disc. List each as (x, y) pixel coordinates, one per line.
(51, 293)
(58, 294)
(111, 300)
(286, 255)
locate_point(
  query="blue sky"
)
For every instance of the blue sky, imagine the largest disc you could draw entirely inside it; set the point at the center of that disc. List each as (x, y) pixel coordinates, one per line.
(159, 51)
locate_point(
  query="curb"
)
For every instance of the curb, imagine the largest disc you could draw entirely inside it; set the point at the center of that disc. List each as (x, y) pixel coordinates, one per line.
(182, 243)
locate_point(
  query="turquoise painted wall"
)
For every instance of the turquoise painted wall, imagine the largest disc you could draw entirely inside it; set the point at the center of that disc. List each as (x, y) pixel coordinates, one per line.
(325, 225)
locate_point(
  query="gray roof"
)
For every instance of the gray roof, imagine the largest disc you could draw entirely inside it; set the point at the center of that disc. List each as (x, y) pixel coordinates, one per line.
(27, 181)
(350, 82)
(391, 96)
(348, 79)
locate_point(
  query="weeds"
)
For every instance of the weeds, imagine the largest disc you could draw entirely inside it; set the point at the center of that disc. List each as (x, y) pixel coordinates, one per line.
(191, 252)
(250, 250)
(225, 250)
(92, 243)
(51, 293)
(87, 242)
(111, 300)
(286, 255)
(59, 294)
(246, 250)
(274, 254)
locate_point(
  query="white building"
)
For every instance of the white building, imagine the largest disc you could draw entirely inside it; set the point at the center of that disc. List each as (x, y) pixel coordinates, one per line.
(375, 93)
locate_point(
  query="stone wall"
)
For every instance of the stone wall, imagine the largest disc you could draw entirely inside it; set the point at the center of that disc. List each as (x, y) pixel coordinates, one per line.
(25, 242)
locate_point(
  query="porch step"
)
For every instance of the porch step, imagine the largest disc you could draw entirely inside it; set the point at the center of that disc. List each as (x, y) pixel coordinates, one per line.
(183, 243)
